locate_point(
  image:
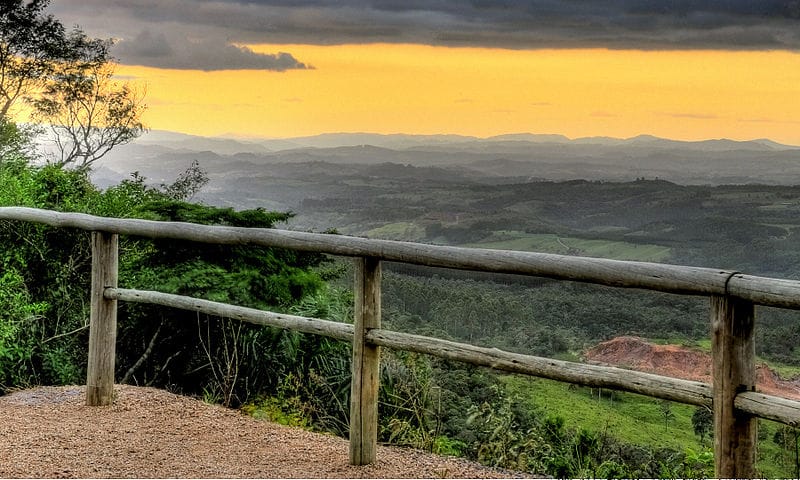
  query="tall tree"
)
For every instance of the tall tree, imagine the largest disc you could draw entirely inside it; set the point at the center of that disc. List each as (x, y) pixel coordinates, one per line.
(87, 111)
(30, 45)
(68, 78)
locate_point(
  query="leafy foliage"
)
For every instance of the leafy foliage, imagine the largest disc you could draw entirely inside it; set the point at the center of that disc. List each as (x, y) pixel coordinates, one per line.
(45, 280)
(311, 373)
(16, 348)
(31, 42)
(52, 266)
(67, 79)
(194, 353)
(788, 439)
(703, 423)
(501, 439)
(16, 143)
(187, 184)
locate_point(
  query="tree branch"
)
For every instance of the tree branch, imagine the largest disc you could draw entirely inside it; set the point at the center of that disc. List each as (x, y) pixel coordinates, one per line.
(144, 356)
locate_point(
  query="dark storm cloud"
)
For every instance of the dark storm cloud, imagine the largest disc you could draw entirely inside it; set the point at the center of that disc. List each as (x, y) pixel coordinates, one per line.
(182, 34)
(662, 24)
(637, 24)
(157, 50)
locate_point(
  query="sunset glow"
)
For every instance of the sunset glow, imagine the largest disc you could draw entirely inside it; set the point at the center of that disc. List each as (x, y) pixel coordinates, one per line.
(418, 89)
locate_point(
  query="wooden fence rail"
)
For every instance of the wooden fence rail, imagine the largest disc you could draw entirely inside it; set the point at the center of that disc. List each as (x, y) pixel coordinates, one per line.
(733, 296)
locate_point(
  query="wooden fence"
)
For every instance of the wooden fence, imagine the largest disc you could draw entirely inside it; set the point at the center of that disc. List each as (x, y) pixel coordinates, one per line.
(733, 296)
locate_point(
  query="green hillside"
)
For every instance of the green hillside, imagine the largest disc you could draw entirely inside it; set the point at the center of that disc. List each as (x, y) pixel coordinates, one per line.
(637, 419)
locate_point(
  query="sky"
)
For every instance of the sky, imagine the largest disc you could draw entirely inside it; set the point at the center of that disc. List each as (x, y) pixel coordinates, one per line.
(682, 69)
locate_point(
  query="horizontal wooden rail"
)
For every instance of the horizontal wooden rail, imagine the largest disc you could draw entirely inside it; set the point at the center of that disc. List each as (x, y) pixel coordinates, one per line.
(667, 388)
(733, 296)
(769, 407)
(618, 273)
(773, 292)
(339, 331)
(667, 278)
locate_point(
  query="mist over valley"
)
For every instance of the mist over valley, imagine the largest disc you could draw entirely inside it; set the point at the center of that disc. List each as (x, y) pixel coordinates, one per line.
(643, 198)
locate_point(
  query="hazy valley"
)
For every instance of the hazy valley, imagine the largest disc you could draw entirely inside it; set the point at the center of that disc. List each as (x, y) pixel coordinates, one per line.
(668, 199)
(88, 90)
(716, 203)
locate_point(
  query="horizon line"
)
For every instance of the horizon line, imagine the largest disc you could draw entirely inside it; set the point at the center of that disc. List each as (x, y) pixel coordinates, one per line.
(252, 138)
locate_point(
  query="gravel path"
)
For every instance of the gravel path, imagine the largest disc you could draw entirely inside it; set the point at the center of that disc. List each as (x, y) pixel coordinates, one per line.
(49, 432)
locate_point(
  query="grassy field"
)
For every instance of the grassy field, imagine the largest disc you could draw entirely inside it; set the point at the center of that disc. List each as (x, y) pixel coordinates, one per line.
(405, 231)
(632, 418)
(637, 419)
(548, 243)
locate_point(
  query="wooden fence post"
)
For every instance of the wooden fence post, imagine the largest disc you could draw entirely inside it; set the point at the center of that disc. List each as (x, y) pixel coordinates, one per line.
(366, 363)
(102, 321)
(733, 350)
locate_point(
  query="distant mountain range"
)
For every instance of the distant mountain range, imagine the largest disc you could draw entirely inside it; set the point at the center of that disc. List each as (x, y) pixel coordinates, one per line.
(513, 158)
(229, 146)
(347, 170)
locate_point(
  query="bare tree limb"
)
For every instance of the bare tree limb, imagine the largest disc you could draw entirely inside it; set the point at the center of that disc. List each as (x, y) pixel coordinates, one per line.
(144, 356)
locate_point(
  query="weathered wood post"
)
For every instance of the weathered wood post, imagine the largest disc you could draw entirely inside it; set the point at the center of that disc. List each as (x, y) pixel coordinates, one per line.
(366, 363)
(102, 321)
(733, 349)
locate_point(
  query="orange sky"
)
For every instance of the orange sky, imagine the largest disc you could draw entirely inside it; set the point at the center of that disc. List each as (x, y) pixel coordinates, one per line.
(478, 91)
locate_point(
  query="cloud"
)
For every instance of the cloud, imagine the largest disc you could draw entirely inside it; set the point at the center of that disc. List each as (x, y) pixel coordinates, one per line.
(126, 78)
(156, 50)
(615, 24)
(180, 34)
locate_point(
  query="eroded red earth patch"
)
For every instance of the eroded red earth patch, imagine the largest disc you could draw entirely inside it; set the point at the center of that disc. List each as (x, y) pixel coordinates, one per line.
(679, 362)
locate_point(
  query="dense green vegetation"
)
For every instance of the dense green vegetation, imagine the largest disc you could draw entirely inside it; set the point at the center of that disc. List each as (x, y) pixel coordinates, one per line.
(45, 277)
(751, 228)
(520, 423)
(302, 380)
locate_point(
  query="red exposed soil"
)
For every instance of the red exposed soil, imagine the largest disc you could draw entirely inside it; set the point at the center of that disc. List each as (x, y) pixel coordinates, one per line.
(680, 362)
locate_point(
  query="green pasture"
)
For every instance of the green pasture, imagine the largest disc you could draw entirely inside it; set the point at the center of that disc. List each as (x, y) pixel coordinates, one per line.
(404, 231)
(631, 418)
(549, 243)
(637, 419)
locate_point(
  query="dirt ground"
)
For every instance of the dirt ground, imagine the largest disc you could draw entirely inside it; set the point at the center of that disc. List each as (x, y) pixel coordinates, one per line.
(49, 432)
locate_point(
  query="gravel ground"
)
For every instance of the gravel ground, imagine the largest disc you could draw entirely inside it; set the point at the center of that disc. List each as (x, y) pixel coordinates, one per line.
(49, 432)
